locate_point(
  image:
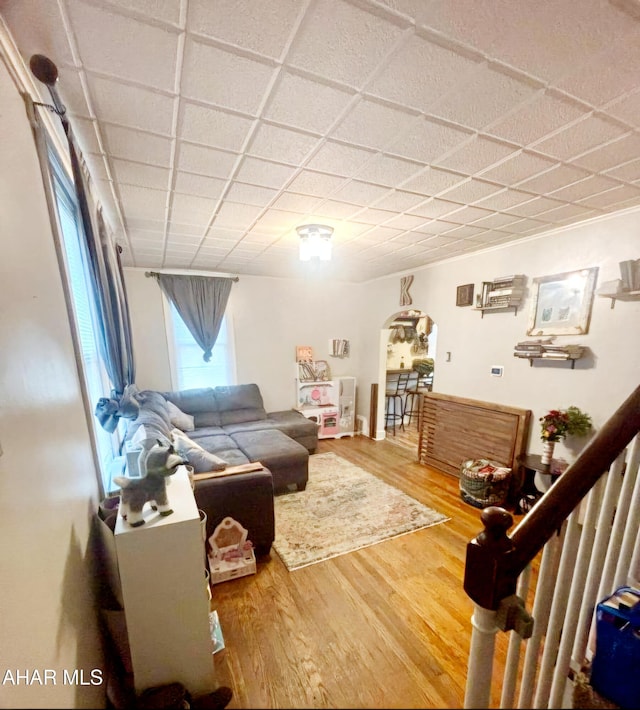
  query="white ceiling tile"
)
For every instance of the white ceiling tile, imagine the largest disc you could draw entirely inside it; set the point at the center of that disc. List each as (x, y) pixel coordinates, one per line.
(97, 168)
(342, 42)
(282, 144)
(212, 75)
(475, 156)
(557, 36)
(405, 221)
(234, 215)
(610, 155)
(534, 207)
(164, 10)
(517, 167)
(308, 182)
(85, 131)
(340, 159)
(128, 172)
(33, 26)
(420, 72)
(306, 104)
(200, 185)
(178, 229)
(608, 74)
(580, 137)
(399, 201)
(496, 220)
(373, 125)
(130, 144)
(612, 197)
(263, 172)
(370, 215)
(191, 209)
(535, 119)
(213, 127)
(360, 193)
(435, 207)
(335, 209)
(627, 108)
(467, 213)
(131, 106)
(629, 171)
(482, 97)
(564, 212)
(465, 232)
(427, 140)
(110, 44)
(504, 200)
(205, 161)
(584, 188)
(143, 202)
(551, 180)
(261, 27)
(471, 190)
(433, 181)
(251, 194)
(386, 170)
(278, 221)
(290, 201)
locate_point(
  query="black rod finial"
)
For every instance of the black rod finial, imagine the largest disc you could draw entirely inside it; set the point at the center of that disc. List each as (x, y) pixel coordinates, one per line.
(44, 69)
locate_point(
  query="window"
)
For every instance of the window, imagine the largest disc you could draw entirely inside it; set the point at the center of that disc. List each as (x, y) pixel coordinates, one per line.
(189, 368)
(95, 376)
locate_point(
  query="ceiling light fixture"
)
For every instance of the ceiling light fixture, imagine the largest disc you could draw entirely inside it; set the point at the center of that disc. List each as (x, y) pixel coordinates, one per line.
(315, 241)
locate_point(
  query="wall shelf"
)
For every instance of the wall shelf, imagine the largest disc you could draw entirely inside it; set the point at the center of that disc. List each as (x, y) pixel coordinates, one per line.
(621, 296)
(555, 358)
(491, 309)
(502, 294)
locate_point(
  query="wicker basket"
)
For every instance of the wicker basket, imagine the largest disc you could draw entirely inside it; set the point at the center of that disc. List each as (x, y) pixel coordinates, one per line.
(484, 482)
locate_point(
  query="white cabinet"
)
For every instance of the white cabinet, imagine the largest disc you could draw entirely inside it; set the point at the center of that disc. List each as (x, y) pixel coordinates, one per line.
(162, 574)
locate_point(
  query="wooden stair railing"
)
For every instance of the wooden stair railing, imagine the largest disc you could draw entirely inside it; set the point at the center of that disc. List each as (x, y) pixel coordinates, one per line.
(496, 559)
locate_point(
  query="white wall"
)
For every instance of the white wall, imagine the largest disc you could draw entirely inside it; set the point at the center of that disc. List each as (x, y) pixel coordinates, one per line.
(598, 384)
(271, 316)
(48, 487)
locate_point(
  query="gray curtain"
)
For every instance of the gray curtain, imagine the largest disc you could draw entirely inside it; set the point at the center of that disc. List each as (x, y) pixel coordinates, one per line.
(201, 302)
(106, 278)
(107, 283)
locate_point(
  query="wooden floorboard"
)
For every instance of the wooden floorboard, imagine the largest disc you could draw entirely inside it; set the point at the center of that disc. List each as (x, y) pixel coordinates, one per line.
(387, 626)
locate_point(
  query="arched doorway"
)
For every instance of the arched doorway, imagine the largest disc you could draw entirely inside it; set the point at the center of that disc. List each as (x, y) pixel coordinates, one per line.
(407, 342)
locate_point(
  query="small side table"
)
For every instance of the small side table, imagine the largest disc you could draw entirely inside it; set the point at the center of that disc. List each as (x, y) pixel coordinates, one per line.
(531, 465)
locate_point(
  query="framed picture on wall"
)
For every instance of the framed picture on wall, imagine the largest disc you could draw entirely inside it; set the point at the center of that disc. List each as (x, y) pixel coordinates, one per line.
(561, 303)
(464, 295)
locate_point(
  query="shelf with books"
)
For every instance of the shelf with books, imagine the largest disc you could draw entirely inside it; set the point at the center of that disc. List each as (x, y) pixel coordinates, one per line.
(501, 294)
(543, 350)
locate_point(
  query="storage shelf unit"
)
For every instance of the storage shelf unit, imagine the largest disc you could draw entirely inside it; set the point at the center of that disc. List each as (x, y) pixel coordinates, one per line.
(162, 572)
(502, 294)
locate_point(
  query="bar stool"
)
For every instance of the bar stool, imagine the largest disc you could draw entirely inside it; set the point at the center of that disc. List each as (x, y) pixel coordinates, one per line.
(416, 389)
(395, 393)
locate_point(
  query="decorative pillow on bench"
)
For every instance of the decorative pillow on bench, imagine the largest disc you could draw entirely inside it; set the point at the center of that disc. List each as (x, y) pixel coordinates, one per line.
(201, 460)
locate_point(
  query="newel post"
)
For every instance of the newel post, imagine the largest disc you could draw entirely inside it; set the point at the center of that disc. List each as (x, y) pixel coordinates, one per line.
(487, 581)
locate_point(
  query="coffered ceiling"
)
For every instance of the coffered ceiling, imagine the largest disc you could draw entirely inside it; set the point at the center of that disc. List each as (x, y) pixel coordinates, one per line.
(419, 129)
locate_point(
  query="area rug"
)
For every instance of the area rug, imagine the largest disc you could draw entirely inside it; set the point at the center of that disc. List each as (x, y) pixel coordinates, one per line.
(343, 508)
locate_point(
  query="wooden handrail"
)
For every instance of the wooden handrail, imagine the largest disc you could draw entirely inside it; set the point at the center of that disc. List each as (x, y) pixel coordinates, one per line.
(495, 559)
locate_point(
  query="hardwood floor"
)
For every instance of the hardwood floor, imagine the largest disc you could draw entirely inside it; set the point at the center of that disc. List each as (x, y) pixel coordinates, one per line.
(387, 626)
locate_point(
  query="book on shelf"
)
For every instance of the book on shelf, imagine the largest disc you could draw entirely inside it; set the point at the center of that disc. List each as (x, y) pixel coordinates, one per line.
(512, 292)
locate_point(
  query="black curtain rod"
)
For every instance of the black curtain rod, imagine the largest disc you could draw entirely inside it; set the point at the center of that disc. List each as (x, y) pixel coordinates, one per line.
(155, 274)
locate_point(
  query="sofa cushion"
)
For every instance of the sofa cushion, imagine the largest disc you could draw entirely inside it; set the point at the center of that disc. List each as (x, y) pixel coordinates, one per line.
(207, 431)
(239, 403)
(201, 459)
(206, 419)
(181, 420)
(287, 460)
(192, 401)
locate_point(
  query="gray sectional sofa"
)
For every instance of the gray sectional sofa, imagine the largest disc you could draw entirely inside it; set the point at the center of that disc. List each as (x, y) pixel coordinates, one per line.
(232, 424)
(227, 426)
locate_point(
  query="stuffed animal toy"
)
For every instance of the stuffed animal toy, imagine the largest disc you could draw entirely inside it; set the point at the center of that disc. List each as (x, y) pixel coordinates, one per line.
(158, 460)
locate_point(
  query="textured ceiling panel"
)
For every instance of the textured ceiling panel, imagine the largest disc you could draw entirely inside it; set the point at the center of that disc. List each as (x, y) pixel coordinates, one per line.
(418, 129)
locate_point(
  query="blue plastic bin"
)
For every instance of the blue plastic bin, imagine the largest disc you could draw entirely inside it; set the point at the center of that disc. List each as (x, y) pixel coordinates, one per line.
(615, 673)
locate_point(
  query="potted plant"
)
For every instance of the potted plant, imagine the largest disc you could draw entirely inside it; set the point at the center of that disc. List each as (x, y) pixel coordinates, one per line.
(557, 424)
